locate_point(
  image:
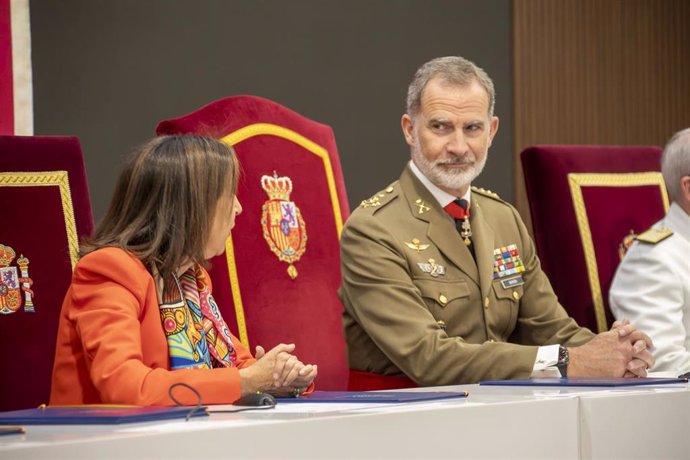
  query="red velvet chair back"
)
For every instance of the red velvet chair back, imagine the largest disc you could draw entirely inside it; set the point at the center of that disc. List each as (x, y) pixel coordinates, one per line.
(584, 200)
(278, 279)
(45, 209)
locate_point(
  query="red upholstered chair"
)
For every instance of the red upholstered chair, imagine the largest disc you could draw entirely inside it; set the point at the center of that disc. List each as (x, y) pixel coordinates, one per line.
(45, 209)
(278, 279)
(584, 200)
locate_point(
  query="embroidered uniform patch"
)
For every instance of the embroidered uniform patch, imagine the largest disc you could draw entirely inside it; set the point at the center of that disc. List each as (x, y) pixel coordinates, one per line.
(417, 245)
(507, 261)
(281, 220)
(374, 201)
(432, 268)
(421, 205)
(13, 282)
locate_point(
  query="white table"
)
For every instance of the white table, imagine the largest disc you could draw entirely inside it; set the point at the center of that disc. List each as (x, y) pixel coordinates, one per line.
(493, 422)
(652, 424)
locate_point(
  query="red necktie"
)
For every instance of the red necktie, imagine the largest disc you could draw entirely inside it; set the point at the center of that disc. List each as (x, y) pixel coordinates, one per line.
(458, 209)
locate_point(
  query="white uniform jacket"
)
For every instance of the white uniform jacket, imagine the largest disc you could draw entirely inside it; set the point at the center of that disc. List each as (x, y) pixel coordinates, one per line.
(651, 288)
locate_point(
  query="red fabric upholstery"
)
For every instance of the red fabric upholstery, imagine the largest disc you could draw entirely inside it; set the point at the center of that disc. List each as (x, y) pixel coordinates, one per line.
(580, 255)
(367, 381)
(45, 208)
(265, 306)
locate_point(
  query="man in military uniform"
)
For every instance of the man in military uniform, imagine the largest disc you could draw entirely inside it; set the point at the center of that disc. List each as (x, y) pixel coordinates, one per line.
(652, 284)
(441, 282)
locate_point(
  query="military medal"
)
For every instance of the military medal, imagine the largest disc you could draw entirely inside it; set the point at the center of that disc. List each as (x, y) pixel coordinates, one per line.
(466, 231)
(459, 210)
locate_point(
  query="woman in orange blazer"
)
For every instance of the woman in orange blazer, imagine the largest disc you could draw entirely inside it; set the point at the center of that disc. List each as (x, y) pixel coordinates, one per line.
(139, 316)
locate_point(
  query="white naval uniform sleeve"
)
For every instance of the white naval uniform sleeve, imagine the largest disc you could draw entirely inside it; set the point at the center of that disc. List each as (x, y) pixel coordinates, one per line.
(648, 289)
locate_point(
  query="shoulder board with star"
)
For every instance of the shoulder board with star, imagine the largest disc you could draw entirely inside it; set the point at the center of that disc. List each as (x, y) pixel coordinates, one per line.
(485, 192)
(654, 235)
(381, 198)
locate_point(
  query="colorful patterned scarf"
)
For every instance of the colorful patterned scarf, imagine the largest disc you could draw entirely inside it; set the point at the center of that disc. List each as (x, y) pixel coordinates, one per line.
(196, 332)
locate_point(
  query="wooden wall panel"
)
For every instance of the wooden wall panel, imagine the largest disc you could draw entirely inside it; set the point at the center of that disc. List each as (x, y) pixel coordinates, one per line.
(599, 72)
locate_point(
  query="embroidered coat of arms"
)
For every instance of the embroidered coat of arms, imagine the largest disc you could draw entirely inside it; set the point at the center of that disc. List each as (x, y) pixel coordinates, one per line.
(13, 281)
(281, 220)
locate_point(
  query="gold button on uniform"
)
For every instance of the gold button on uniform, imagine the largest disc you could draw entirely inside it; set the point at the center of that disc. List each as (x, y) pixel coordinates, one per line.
(443, 299)
(491, 340)
(516, 295)
(486, 302)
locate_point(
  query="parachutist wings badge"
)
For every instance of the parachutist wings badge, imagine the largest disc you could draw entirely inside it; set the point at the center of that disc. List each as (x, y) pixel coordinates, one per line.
(281, 220)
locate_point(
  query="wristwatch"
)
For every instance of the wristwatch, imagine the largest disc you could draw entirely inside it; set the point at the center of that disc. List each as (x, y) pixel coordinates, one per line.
(563, 360)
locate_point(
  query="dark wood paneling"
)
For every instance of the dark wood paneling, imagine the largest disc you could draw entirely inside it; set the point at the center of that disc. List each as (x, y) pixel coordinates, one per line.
(599, 72)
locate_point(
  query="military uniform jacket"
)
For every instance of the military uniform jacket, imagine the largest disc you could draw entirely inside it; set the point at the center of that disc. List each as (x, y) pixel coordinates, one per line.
(651, 288)
(459, 326)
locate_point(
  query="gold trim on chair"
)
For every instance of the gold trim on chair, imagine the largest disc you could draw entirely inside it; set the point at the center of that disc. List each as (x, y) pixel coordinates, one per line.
(576, 182)
(284, 133)
(46, 179)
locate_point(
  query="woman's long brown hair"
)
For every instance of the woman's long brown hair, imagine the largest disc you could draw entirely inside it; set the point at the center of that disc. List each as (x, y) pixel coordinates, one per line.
(165, 199)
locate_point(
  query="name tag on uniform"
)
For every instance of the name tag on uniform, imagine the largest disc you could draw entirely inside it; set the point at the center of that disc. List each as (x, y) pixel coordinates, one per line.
(512, 282)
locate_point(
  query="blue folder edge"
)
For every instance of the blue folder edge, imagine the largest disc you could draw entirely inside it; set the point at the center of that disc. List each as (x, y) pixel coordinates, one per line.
(582, 382)
(373, 396)
(86, 415)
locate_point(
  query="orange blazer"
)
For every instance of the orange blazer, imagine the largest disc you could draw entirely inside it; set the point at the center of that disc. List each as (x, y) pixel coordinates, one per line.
(111, 347)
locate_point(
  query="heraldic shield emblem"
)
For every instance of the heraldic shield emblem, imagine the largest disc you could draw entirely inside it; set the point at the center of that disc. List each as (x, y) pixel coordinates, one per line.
(13, 282)
(282, 222)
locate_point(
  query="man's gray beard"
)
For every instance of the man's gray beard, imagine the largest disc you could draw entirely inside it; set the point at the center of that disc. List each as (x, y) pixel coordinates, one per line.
(442, 178)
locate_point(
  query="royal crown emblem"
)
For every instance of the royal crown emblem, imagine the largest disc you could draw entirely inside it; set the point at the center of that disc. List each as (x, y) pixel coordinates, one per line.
(282, 223)
(13, 282)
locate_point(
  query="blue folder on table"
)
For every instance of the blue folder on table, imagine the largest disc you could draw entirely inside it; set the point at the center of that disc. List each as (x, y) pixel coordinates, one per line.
(86, 415)
(582, 382)
(373, 396)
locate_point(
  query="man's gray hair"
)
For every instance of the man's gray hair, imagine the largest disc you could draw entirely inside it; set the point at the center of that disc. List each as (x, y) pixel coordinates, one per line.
(675, 162)
(452, 69)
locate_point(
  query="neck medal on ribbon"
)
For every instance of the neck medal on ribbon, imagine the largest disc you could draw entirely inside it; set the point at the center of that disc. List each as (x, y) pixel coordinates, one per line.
(282, 223)
(12, 283)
